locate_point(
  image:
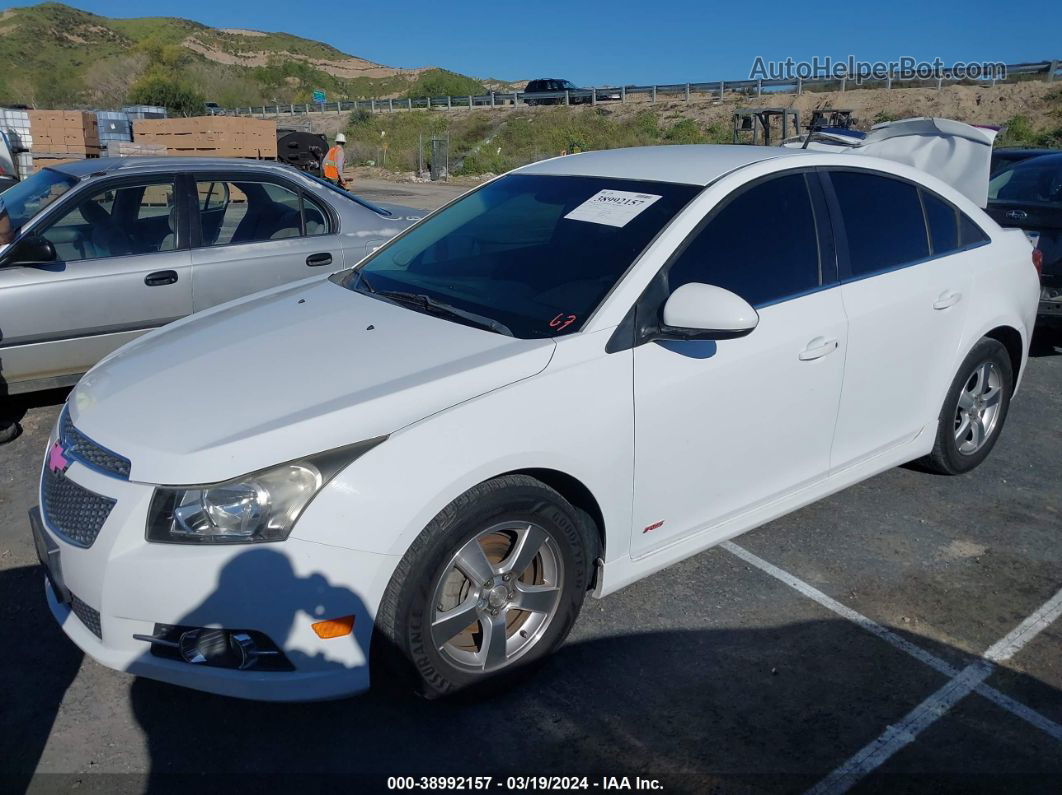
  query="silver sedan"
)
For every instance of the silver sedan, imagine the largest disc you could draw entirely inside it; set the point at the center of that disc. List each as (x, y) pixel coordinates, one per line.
(94, 253)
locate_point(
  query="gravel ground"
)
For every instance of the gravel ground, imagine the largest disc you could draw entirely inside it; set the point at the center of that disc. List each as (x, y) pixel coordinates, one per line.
(712, 675)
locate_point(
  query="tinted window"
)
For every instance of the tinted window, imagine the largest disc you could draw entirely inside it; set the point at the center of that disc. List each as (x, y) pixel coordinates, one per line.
(761, 245)
(1037, 180)
(116, 222)
(510, 253)
(943, 221)
(882, 219)
(970, 234)
(233, 212)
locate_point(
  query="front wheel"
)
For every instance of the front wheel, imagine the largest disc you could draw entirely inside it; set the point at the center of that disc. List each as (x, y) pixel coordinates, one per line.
(974, 410)
(491, 586)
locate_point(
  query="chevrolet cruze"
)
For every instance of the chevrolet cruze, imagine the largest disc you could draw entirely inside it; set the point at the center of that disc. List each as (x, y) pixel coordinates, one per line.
(564, 381)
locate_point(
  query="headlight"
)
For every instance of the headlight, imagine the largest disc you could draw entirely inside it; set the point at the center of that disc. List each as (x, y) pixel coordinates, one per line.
(262, 506)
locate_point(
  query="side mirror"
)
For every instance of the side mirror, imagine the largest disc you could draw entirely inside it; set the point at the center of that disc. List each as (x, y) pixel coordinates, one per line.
(698, 311)
(31, 250)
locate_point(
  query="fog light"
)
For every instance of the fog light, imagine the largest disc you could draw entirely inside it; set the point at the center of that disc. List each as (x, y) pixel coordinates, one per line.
(218, 647)
(240, 649)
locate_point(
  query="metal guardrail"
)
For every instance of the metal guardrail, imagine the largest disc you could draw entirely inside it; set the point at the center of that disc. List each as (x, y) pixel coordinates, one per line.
(1046, 70)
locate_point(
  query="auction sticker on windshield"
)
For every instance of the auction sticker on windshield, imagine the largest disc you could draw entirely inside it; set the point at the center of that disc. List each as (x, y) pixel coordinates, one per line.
(612, 207)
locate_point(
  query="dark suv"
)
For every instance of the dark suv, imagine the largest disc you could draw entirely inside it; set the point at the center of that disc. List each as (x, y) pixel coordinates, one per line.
(552, 92)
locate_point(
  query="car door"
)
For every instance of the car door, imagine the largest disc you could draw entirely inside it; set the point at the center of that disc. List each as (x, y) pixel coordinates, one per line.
(122, 268)
(905, 294)
(722, 426)
(254, 232)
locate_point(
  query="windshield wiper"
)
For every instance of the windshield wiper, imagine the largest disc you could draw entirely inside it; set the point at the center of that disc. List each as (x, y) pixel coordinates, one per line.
(429, 304)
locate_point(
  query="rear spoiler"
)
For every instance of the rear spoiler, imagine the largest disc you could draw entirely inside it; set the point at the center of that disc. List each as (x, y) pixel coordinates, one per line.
(953, 152)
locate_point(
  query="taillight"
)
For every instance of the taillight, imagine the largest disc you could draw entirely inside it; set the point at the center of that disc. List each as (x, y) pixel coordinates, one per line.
(1038, 261)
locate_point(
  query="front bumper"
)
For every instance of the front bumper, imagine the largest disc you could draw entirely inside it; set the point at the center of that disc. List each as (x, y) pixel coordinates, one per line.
(121, 586)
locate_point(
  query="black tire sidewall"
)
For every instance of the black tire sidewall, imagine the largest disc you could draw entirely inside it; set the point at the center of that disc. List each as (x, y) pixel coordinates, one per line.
(947, 450)
(512, 503)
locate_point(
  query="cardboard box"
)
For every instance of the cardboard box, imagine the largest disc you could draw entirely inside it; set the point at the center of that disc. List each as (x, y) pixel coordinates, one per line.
(64, 131)
(134, 149)
(210, 136)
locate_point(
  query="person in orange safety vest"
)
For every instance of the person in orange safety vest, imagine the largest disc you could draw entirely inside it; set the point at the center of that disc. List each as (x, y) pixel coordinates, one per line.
(332, 165)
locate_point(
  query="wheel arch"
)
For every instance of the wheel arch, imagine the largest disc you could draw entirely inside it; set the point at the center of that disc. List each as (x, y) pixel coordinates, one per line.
(1010, 338)
(577, 493)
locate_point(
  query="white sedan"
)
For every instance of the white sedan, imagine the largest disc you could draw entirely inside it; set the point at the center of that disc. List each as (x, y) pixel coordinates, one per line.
(574, 376)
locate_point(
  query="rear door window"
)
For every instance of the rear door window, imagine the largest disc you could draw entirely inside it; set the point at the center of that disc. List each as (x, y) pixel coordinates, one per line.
(970, 234)
(883, 221)
(943, 222)
(232, 212)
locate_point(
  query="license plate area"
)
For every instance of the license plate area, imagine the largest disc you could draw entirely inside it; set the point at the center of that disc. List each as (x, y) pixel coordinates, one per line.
(48, 555)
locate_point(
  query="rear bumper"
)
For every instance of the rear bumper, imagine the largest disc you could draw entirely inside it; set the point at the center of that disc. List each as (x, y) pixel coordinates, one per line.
(1049, 313)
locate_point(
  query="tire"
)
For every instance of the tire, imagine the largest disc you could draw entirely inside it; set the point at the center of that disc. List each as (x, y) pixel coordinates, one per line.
(984, 383)
(431, 583)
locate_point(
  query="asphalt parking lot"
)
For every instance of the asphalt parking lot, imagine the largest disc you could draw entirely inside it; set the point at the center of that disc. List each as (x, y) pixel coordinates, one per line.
(842, 646)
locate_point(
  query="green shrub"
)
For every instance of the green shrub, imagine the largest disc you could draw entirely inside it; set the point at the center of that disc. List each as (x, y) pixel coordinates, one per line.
(178, 97)
(441, 83)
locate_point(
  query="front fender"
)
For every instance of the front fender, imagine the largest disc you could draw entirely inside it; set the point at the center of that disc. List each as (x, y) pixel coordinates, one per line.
(577, 417)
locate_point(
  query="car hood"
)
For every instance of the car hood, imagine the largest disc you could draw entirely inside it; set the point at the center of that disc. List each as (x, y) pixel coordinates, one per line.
(285, 374)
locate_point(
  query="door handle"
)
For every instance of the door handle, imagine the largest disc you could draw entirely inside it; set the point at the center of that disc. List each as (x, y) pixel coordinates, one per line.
(817, 348)
(159, 278)
(316, 260)
(946, 299)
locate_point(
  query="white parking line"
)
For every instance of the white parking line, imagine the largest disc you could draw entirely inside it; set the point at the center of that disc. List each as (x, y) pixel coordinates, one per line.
(833, 605)
(962, 683)
(900, 734)
(936, 706)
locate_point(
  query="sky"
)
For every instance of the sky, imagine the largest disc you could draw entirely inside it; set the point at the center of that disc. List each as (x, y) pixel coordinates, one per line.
(633, 41)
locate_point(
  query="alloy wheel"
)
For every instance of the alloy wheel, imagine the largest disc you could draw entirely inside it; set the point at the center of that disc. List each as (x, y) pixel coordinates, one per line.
(978, 411)
(496, 597)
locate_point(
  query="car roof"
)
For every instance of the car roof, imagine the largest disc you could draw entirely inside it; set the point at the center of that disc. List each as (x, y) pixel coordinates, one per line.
(147, 165)
(1051, 157)
(1026, 151)
(697, 164)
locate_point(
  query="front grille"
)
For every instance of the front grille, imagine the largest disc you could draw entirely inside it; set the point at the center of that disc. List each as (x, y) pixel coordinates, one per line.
(81, 448)
(89, 617)
(72, 511)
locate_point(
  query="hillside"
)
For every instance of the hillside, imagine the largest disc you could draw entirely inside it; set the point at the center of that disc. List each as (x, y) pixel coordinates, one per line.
(485, 141)
(54, 55)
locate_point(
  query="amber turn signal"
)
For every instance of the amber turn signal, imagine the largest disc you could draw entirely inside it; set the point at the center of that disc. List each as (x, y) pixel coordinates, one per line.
(334, 627)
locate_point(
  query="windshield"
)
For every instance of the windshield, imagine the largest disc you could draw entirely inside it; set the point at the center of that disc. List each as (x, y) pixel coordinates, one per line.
(534, 254)
(1037, 180)
(346, 194)
(22, 201)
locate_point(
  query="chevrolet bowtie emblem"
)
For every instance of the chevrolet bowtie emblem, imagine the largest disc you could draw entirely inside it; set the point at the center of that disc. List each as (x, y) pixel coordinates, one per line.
(57, 461)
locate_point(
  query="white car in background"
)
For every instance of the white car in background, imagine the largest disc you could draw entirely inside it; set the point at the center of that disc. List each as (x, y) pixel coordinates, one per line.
(568, 379)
